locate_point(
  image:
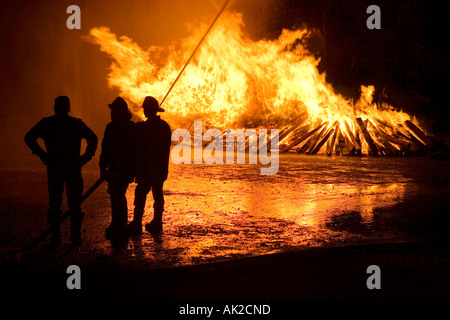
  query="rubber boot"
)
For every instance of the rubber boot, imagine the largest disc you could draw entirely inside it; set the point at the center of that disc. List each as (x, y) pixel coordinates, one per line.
(135, 226)
(156, 225)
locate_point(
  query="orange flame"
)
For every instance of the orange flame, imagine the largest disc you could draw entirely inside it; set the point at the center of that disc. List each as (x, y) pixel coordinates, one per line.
(234, 81)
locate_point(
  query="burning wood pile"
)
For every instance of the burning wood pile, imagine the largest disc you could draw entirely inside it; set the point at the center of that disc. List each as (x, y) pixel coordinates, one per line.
(362, 137)
(340, 139)
(234, 82)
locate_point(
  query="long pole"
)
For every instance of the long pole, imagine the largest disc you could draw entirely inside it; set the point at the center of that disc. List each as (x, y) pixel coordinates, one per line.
(47, 232)
(195, 50)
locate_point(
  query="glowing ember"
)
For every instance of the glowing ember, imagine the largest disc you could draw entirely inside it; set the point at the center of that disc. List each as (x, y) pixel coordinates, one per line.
(234, 81)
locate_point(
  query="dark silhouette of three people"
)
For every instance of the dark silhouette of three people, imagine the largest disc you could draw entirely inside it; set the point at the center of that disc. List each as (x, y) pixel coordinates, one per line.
(62, 135)
(129, 152)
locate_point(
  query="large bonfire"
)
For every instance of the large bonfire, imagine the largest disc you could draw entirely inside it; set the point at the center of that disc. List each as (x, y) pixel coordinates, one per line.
(233, 81)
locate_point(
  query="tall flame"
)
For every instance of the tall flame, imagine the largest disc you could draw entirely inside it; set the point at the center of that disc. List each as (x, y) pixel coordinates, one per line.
(234, 81)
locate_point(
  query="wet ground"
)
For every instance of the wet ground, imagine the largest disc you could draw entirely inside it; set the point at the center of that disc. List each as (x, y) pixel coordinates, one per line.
(220, 212)
(224, 212)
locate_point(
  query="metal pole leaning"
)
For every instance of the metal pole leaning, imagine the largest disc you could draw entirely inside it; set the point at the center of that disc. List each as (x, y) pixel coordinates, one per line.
(47, 232)
(195, 50)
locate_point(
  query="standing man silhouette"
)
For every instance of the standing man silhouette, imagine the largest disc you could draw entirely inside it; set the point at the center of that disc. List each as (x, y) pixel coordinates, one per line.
(117, 166)
(153, 140)
(62, 135)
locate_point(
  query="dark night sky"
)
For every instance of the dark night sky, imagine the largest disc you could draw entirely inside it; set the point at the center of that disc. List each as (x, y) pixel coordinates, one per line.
(41, 58)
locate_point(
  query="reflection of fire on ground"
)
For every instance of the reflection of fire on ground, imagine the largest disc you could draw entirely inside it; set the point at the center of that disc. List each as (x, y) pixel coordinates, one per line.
(234, 81)
(212, 216)
(220, 212)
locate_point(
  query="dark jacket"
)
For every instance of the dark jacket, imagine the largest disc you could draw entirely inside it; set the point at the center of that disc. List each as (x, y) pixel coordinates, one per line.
(153, 140)
(118, 154)
(62, 135)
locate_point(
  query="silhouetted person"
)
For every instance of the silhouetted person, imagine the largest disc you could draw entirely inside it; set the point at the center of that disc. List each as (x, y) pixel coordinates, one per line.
(62, 135)
(117, 166)
(153, 148)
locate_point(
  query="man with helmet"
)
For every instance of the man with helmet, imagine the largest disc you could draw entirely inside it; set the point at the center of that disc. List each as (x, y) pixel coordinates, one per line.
(117, 166)
(153, 140)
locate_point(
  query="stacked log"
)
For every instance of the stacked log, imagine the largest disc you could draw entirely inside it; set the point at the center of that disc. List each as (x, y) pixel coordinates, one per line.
(373, 150)
(302, 138)
(379, 138)
(288, 129)
(315, 139)
(375, 137)
(331, 145)
(326, 136)
(353, 139)
(426, 140)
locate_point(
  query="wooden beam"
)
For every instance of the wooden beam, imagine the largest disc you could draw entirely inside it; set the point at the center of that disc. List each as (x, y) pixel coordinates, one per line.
(325, 138)
(333, 141)
(409, 135)
(305, 146)
(322, 142)
(285, 133)
(302, 138)
(367, 137)
(349, 132)
(391, 138)
(302, 130)
(314, 139)
(291, 129)
(419, 133)
(343, 148)
(388, 147)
